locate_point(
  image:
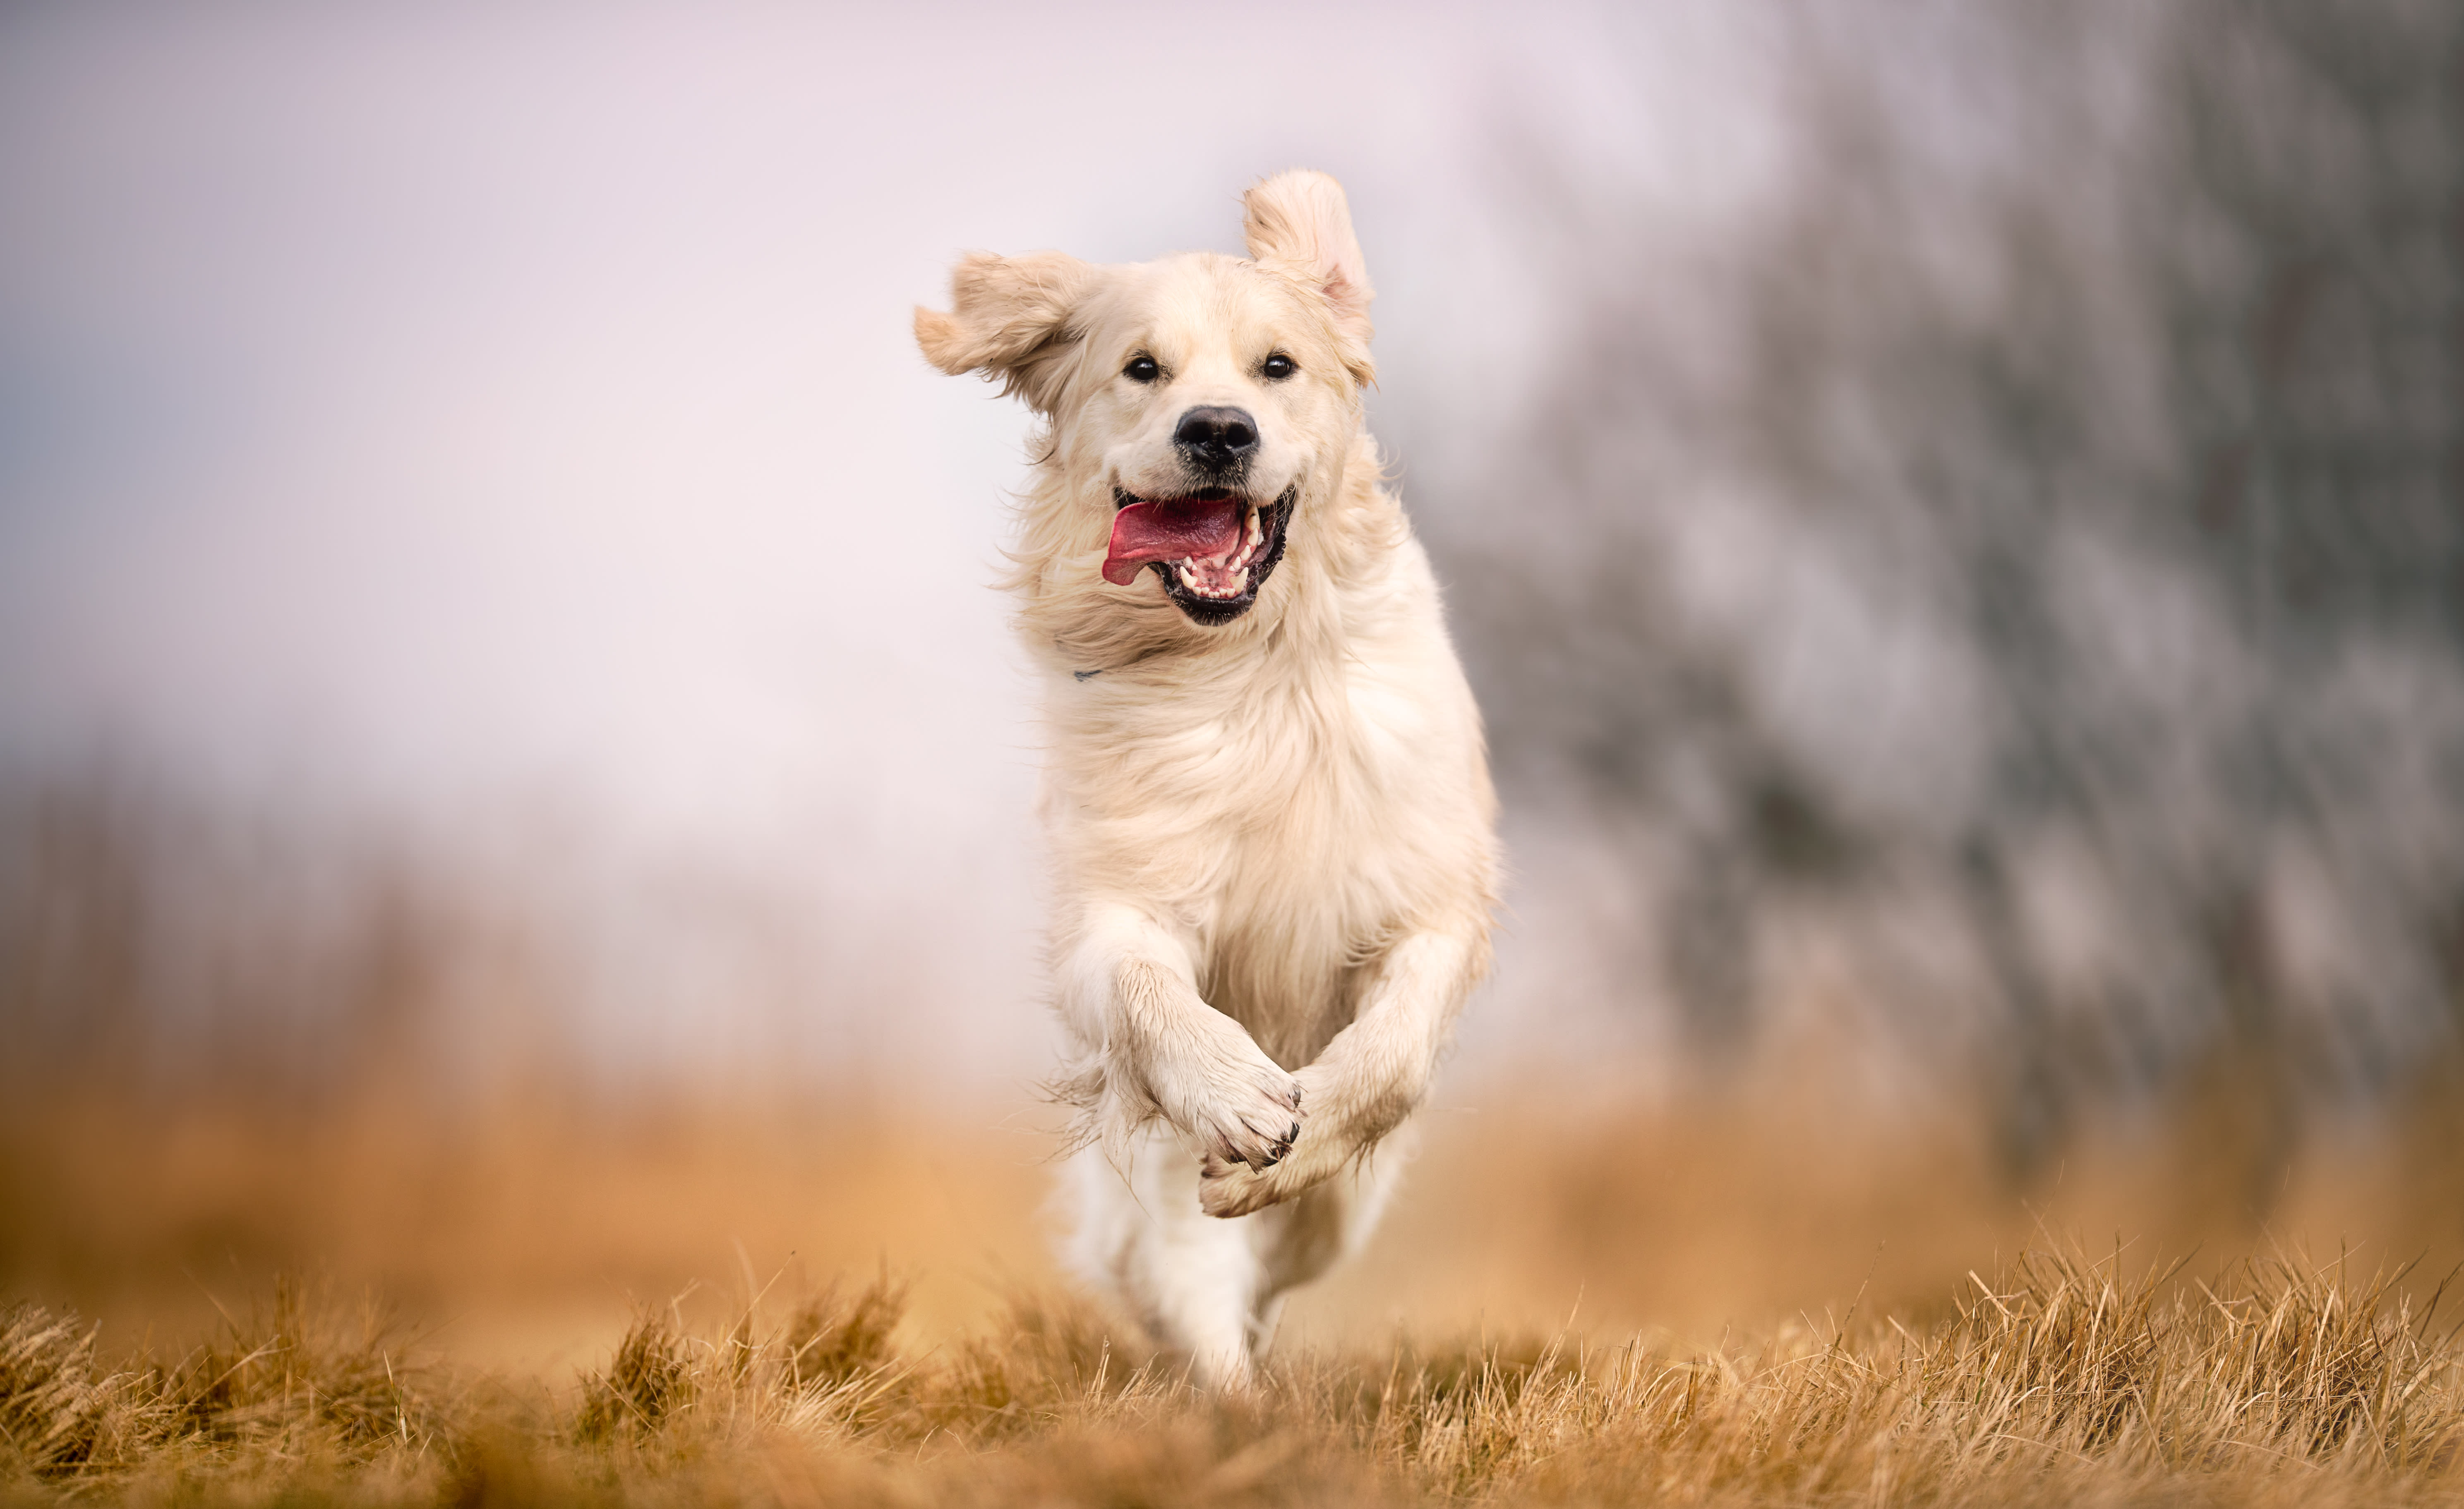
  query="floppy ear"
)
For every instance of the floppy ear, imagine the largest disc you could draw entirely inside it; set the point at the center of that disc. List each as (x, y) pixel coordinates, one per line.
(1297, 222)
(1012, 320)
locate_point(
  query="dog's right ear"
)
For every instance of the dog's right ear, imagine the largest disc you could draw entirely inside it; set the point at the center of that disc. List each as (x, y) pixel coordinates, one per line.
(1014, 319)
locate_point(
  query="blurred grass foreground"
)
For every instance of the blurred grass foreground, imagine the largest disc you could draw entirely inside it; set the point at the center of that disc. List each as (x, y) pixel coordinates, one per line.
(2060, 1380)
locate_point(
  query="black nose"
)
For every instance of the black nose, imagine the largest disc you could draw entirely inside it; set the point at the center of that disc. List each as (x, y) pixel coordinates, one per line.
(1217, 438)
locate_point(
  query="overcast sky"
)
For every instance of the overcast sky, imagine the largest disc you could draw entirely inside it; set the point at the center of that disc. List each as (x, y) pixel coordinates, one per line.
(466, 412)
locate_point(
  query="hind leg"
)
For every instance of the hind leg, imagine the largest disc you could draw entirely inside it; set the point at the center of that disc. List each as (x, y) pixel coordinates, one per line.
(1300, 1239)
(1192, 1278)
(1207, 1286)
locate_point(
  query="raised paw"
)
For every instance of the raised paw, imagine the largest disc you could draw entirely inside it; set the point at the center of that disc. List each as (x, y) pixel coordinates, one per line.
(1311, 1151)
(1227, 1189)
(1276, 1151)
(1255, 1129)
(1233, 1103)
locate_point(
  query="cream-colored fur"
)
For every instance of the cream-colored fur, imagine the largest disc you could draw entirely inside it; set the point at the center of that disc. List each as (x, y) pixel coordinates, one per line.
(1272, 837)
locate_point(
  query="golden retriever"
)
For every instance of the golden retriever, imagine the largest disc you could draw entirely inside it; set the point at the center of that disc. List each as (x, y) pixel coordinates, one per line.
(1266, 795)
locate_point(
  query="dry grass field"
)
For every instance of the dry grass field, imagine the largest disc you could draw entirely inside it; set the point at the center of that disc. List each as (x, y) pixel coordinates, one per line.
(719, 1300)
(2058, 1379)
(302, 1253)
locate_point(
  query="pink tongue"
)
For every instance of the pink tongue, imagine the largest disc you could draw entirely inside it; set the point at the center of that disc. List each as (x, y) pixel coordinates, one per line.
(1167, 531)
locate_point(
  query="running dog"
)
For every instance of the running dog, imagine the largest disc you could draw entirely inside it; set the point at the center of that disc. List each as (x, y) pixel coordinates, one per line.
(1266, 795)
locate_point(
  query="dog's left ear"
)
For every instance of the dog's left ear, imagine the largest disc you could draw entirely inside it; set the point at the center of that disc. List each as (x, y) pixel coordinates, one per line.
(1298, 222)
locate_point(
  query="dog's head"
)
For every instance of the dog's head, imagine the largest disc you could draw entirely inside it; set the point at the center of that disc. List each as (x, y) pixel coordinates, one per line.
(1196, 402)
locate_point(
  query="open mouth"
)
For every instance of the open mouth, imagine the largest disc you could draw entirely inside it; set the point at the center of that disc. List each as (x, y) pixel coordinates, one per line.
(1212, 549)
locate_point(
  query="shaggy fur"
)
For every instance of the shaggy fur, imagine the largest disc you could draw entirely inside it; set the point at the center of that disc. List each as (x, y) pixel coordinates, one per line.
(1274, 836)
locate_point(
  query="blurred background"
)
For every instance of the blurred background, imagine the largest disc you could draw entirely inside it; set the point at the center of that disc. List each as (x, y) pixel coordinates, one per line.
(515, 786)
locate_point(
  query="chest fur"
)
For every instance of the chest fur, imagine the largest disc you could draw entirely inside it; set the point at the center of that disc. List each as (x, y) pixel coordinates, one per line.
(1272, 819)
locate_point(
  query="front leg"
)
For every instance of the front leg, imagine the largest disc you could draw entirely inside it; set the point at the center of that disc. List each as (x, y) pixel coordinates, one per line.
(1369, 1078)
(1150, 1047)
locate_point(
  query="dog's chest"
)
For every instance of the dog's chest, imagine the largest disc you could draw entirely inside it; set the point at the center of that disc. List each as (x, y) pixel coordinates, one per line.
(1272, 818)
(1310, 768)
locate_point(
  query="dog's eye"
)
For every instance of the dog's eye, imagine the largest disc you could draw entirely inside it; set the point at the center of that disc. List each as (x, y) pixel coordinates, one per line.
(1142, 368)
(1279, 366)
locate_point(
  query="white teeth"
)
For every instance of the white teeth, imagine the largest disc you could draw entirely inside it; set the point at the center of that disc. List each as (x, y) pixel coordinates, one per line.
(1248, 545)
(1231, 569)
